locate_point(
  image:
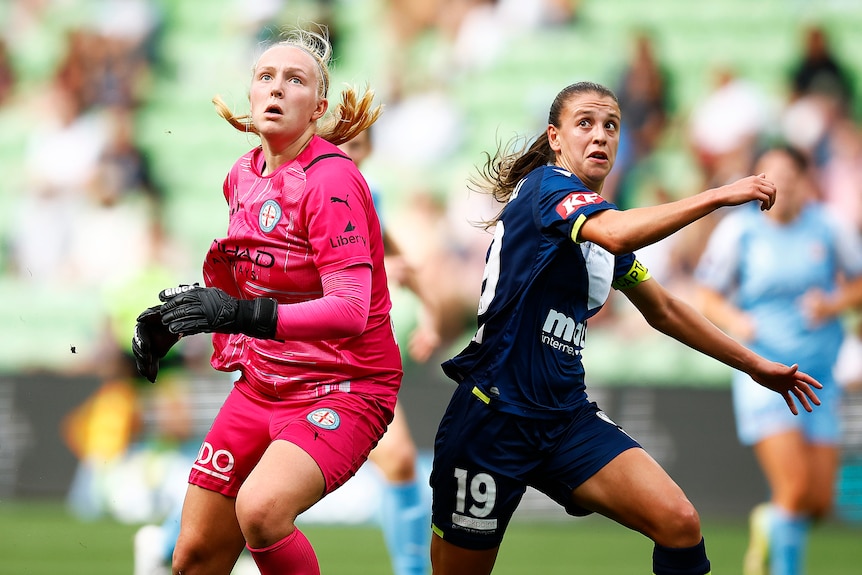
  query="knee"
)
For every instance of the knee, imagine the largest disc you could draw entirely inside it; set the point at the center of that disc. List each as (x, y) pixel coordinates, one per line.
(797, 500)
(396, 461)
(261, 521)
(679, 527)
(820, 505)
(190, 554)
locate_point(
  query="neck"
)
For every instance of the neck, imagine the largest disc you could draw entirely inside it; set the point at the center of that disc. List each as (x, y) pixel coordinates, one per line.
(276, 157)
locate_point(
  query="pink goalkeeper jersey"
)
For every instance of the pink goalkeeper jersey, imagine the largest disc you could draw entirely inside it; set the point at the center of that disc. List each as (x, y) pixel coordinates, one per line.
(312, 216)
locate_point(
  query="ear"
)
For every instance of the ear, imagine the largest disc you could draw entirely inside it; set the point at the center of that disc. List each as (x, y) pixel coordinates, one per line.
(322, 106)
(554, 138)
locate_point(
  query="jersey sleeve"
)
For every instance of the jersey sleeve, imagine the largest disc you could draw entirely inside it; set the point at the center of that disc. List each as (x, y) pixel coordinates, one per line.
(719, 264)
(565, 203)
(337, 209)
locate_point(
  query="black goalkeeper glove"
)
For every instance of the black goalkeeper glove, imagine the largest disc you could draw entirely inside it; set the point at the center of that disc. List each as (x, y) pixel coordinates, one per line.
(193, 309)
(151, 342)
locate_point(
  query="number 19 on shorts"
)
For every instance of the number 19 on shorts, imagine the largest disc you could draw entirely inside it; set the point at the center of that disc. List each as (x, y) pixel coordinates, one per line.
(474, 501)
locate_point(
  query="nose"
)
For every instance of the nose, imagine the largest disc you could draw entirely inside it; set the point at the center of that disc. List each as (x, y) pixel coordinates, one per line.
(599, 133)
(277, 91)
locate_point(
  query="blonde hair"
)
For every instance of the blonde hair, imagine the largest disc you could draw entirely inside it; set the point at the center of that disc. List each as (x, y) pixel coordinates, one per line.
(348, 119)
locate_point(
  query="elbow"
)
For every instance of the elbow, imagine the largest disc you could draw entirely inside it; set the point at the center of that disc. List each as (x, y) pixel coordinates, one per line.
(357, 326)
(617, 241)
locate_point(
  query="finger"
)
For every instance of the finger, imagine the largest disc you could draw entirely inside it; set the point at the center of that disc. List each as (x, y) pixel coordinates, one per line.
(789, 400)
(811, 394)
(802, 398)
(186, 326)
(186, 311)
(149, 313)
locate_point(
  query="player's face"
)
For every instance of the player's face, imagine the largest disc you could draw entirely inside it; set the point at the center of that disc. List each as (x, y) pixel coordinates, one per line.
(284, 95)
(791, 191)
(587, 138)
(358, 148)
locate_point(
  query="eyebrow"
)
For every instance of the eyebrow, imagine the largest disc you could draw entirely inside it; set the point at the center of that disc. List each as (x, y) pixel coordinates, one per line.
(289, 69)
(596, 113)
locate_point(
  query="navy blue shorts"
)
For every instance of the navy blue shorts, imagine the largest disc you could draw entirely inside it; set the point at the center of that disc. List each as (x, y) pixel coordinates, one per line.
(485, 459)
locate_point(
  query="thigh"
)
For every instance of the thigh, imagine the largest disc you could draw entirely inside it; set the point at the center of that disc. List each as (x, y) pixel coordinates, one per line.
(801, 475)
(235, 442)
(337, 431)
(449, 559)
(285, 482)
(575, 451)
(635, 491)
(210, 536)
(395, 453)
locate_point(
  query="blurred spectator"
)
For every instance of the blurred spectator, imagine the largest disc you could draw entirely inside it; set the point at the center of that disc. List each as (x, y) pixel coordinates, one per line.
(8, 77)
(123, 168)
(726, 125)
(60, 161)
(819, 70)
(643, 92)
(841, 175)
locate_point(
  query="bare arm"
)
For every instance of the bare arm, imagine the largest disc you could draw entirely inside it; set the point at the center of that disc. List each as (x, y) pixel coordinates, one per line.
(623, 231)
(425, 338)
(720, 311)
(820, 306)
(675, 318)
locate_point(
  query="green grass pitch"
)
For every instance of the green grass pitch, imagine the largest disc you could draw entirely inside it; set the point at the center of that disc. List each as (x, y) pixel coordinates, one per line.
(40, 538)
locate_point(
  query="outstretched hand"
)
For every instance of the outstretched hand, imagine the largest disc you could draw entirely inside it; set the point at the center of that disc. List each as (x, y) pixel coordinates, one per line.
(151, 342)
(753, 188)
(790, 382)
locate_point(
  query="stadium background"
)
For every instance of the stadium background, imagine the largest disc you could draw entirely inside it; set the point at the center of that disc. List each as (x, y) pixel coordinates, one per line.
(454, 85)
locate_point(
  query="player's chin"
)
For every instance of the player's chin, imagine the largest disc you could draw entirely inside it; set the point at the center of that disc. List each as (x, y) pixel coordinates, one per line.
(597, 170)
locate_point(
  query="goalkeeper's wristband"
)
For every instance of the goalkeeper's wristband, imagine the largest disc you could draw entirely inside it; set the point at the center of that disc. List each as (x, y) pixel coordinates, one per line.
(257, 317)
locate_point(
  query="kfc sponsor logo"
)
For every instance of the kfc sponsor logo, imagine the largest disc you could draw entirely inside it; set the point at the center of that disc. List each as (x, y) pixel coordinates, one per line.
(577, 200)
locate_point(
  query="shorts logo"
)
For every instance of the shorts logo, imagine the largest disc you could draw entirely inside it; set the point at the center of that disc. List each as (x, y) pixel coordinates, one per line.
(270, 213)
(325, 418)
(215, 462)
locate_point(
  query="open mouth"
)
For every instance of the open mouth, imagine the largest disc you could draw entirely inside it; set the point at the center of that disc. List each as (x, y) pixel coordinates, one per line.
(273, 110)
(599, 156)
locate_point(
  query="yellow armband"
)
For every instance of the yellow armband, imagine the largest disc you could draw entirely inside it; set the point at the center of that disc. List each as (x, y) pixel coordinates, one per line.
(637, 274)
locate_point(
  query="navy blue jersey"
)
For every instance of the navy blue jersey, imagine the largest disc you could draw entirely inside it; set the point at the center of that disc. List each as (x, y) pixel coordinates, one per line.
(539, 288)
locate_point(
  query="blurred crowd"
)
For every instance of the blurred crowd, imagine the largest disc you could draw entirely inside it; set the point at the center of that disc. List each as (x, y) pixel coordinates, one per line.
(90, 211)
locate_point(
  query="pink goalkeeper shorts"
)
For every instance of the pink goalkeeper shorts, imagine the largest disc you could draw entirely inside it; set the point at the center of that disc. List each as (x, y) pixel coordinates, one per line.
(337, 430)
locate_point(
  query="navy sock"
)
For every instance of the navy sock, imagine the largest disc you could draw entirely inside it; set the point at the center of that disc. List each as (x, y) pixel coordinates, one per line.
(685, 561)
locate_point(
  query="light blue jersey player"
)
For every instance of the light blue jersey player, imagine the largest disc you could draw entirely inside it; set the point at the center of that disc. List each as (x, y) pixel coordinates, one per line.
(766, 268)
(767, 277)
(520, 415)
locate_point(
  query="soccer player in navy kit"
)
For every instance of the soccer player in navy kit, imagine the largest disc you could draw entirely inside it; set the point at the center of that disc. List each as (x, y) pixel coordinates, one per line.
(520, 415)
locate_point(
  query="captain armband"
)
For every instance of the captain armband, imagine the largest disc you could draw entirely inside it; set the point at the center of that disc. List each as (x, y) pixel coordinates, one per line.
(636, 274)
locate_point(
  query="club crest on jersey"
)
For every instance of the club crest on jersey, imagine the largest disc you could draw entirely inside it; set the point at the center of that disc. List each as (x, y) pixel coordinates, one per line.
(270, 213)
(325, 418)
(576, 200)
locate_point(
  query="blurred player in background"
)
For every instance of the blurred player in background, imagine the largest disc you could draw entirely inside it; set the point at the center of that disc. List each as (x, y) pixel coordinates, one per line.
(778, 282)
(405, 519)
(520, 415)
(297, 302)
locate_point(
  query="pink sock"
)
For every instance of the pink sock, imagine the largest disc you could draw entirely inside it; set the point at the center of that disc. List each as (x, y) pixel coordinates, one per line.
(292, 555)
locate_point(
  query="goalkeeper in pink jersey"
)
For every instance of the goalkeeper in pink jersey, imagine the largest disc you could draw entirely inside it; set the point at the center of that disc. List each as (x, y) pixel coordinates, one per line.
(297, 302)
